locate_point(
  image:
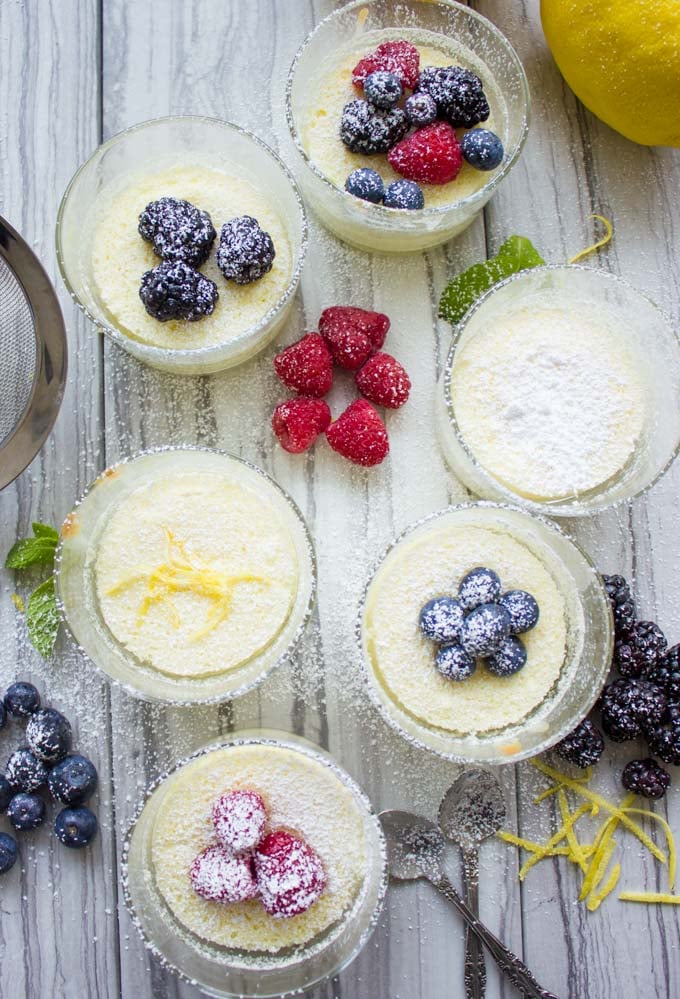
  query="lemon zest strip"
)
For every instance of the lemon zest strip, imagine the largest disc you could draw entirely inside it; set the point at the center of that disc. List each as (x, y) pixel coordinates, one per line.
(670, 839)
(596, 899)
(609, 232)
(553, 841)
(531, 847)
(576, 851)
(650, 897)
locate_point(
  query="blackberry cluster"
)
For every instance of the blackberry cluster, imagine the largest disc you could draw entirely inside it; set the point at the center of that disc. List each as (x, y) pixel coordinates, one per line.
(622, 603)
(640, 650)
(246, 252)
(629, 707)
(177, 230)
(175, 290)
(458, 94)
(583, 747)
(367, 129)
(646, 777)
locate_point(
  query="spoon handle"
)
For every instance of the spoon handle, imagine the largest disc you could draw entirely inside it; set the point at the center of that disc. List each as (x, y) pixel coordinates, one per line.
(475, 966)
(516, 970)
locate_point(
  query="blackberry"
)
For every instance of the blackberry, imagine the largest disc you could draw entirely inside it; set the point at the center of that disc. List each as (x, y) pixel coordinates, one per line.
(246, 252)
(646, 777)
(177, 291)
(367, 129)
(177, 230)
(583, 747)
(630, 707)
(665, 742)
(622, 603)
(666, 674)
(458, 94)
(641, 650)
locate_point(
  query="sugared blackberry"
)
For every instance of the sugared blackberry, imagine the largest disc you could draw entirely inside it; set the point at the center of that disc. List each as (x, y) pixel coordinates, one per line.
(177, 291)
(630, 706)
(177, 230)
(664, 741)
(246, 252)
(367, 129)
(583, 747)
(646, 777)
(622, 603)
(667, 674)
(641, 650)
(458, 93)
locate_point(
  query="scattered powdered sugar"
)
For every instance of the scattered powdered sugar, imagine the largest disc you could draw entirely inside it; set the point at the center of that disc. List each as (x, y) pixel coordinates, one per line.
(219, 876)
(239, 818)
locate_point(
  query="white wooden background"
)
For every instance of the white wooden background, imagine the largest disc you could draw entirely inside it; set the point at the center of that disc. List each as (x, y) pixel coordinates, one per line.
(74, 72)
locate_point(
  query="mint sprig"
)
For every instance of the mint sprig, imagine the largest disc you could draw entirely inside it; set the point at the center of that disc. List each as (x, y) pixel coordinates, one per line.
(517, 253)
(42, 616)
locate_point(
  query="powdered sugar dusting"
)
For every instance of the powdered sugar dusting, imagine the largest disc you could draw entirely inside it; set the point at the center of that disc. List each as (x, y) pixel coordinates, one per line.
(239, 818)
(219, 876)
(290, 875)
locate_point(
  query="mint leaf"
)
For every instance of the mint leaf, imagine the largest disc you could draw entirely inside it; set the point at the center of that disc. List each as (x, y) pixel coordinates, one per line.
(42, 618)
(45, 531)
(31, 551)
(516, 254)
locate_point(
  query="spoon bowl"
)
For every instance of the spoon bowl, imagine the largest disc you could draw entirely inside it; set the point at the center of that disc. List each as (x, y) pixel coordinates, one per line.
(472, 809)
(415, 846)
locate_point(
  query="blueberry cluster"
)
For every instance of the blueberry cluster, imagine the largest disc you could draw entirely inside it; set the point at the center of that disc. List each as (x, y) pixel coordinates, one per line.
(44, 761)
(482, 623)
(183, 236)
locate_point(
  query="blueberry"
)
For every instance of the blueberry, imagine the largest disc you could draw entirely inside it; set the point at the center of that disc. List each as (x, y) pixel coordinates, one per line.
(6, 793)
(26, 811)
(482, 149)
(75, 827)
(454, 663)
(404, 194)
(24, 771)
(21, 700)
(441, 619)
(421, 109)
(8, 852)
(366, 184)
(523, 610)
(510, 657)
(73, 780)
(484, 630)
(479, 586)
(382, 89)
(48, 734)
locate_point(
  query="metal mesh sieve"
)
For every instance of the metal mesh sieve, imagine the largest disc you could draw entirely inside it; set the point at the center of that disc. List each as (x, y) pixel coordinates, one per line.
(17, 350)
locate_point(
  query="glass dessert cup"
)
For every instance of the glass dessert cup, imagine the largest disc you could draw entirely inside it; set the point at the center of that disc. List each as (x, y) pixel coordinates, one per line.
(151, 147)
(444, 24)
(586, 635)
(640, 329)
(80, 604)
(227, 972)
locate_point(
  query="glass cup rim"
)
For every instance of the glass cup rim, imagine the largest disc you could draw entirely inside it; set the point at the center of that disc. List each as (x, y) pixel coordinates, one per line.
(297, 636)
(201, 354)
(573, 507)
(418, 215)
(377, 563)
(273, 737)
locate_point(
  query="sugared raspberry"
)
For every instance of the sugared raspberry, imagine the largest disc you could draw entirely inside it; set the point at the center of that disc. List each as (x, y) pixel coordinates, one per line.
(352, 334)
(290, 876)
(431, 155)
(398, 57)
(384, 381)
(298, 422)
(359, 435)
(239, 818)
(218, 876)
(306, 366)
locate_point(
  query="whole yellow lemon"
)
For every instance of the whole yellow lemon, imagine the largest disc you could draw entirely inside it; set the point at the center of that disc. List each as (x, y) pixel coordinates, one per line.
(622, 59)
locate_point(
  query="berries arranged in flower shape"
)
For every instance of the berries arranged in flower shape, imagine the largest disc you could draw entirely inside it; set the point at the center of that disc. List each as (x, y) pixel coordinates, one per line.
(404, 194)
(629, 707)
(640, 650)
(219, 876)
(454, 662)
(367, 129)
(76, 827)
(622, 603)
(175, 290)
(246, 252)
(306, 366)
(398, 57)
(48, 735)
(359, 435)
(290, 875)
(177, 230)
(366, 184)
(458, 93)
(26, 811)
(239, 818)
(24, 771)
(421, 109)
(8, 852)
(482, 149)
(352, 334)
(73, 780)
(477, 587)
(646, 777)
(431, 155)
(383, 89)
(441, 619)
(21, 699)
(298, 422)
(384, 381)
(583, 747)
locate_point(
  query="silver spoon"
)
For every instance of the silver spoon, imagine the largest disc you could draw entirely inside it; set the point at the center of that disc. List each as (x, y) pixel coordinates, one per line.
(472, 809)
(415, 848)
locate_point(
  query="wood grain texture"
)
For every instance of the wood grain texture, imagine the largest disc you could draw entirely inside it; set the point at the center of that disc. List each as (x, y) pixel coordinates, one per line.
(75, 71)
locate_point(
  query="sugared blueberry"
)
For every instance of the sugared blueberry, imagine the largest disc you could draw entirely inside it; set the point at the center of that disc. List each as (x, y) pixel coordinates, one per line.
(454, 663)
(48, 734)
(239, 818)
(21, 700)
(477, 587)
(421, 109)
(366, 184)
(523, 610)
(246, 252)
(441, 619)
(404, 194)
(382, 89)
(509, 658)
(8, 852)
(75, 827)
(73, 780)
(6, 793)
(482, 149)
(24, 771)
(484, 630)
(26, 811)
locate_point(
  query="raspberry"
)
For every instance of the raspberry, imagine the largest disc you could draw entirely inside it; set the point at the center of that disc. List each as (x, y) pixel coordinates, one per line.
(298, 422)
(239, 818)
(583, 747)
(359, 435)
(431, 155)
(306, 366)
(398, 57)
(220, 877)
(290, 876)
(352, 334)
(384, 381)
